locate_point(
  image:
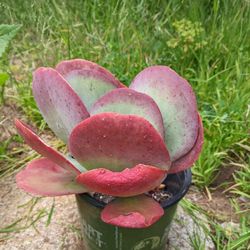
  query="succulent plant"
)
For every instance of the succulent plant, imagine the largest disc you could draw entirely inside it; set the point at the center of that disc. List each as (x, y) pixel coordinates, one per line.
(123, 141)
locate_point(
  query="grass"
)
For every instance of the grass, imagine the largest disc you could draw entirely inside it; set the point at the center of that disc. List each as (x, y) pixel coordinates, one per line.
(205, 41)
(227, 237)
(31, 215)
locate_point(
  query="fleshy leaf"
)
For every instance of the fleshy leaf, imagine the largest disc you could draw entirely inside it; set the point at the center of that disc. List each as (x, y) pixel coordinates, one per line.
(76, 164)
(60, 106)
(129, 182)
(176, 101)
(133, 212)
(116, 142)
(129, 102)
(44, 177)
(89, 80)
(38, 145)
(188, 160)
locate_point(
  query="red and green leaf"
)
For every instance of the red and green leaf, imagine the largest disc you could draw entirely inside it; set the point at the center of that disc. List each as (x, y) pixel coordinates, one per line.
(188, 160)
(133, 212)
(43, 177)
(40, 147)
(129, 182)
(89, 80)
(177, 103)
(129, 102)
(116, 142)
(60, 106)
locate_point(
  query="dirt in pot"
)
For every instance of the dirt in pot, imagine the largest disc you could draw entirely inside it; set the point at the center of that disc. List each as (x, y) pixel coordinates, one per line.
(160, 194)
(102, 197)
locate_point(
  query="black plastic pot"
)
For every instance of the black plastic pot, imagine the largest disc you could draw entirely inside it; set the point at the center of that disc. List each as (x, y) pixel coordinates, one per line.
(99, 235)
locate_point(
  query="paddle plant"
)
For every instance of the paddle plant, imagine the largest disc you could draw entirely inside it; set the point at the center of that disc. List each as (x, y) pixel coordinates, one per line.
(122, 141)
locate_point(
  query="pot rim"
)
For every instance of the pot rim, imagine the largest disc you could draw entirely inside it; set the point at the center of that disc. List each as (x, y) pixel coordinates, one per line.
(184, 177)
(186, 182)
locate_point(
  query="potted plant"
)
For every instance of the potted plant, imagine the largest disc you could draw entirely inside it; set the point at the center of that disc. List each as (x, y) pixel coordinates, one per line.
(129, 149)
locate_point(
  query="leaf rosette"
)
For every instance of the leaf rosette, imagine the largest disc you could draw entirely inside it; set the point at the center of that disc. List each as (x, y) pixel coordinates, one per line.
(127, 139)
